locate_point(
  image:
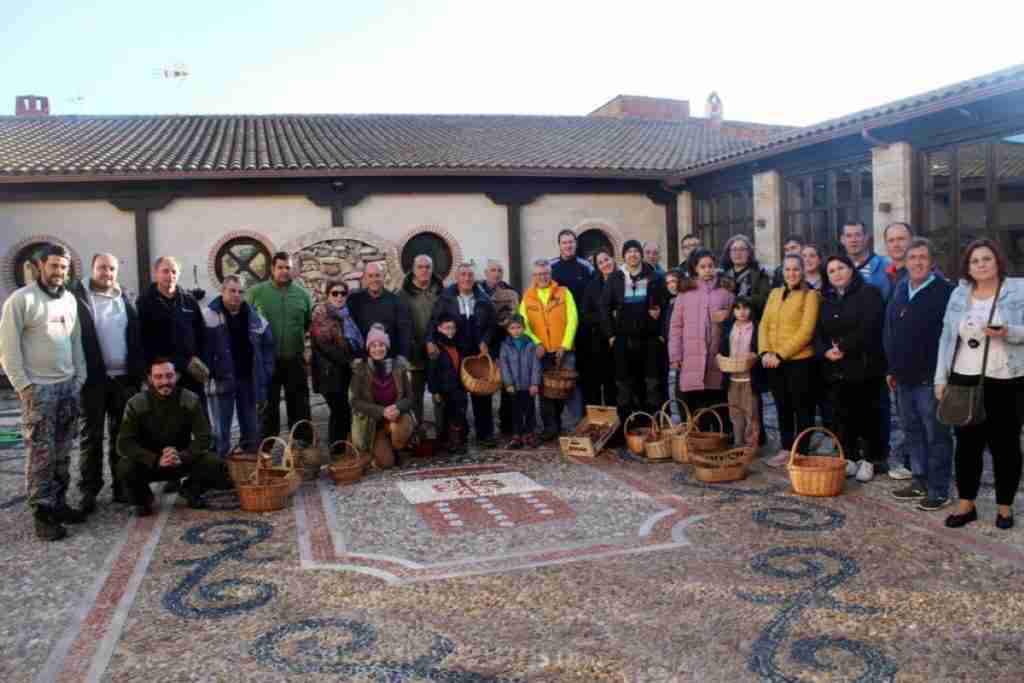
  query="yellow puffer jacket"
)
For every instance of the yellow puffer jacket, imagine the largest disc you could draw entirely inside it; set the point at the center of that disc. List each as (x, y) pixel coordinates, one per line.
(787, 325)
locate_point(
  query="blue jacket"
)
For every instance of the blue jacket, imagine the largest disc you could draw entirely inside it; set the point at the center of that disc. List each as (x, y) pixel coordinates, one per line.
(874, 273)
(519, 364)
(1010, 307)
(218, 350)
(576, 274)
(912, 330)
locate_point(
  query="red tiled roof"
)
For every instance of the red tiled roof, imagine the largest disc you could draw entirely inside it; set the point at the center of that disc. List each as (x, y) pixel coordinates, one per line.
(279, 145)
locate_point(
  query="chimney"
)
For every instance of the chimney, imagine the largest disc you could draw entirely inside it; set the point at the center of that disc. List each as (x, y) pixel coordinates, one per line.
(649, 108)
(713, 110)
(31, 105)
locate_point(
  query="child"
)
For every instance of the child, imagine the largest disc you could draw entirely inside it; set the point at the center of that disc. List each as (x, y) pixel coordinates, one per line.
(672, 285)
(444, 383)
(739, 340)
(520, 373)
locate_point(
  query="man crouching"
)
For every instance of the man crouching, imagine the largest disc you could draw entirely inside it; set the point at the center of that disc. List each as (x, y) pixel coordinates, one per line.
(165, 436)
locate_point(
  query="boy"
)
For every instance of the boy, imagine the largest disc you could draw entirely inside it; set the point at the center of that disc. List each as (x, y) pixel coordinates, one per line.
(520, 373)
(444, 383)
(739, 340)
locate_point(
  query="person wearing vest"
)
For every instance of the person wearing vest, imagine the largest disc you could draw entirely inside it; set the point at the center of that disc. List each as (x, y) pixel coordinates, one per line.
(549, 310)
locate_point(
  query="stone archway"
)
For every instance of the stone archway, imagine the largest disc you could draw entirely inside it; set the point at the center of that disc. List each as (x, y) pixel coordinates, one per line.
(343, 253)
(612, 235)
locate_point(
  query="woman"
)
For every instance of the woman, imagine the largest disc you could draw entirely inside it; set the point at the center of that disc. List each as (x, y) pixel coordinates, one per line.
(381, 401)
(740, 265)
(814, 275)
(599, 385)
(334, 338)
(695, 333)
(785, 345)
(966, 330)
(848, 340)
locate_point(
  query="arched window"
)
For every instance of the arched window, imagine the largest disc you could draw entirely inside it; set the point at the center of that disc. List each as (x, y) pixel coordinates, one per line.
(591, 241)
(245, 257)
(25, 269)
(432, 245)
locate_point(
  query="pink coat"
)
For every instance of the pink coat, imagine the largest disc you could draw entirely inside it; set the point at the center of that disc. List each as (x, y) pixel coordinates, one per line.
(693, 339)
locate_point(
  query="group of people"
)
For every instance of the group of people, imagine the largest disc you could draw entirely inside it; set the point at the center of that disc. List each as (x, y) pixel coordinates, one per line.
(166, 376)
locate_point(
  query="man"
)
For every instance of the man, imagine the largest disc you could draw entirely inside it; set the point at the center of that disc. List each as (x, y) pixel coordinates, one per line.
(740, 264)
(897, 240)
(686, 247)
(288, 308)
(165, 436)
(111, 341)
(573, 272)
(420, 291)
(913, 326)
(41, 352)
(474, 334)
(652, 256)
(240, 355)
(794, 244)
(549, 310)
(631, 308)
(506, 302)
(172, 326)
(374, 304)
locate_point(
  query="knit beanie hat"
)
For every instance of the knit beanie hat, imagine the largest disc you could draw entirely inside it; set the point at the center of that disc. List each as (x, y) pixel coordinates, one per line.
(517, 320)
(632, 244)
(377, 333)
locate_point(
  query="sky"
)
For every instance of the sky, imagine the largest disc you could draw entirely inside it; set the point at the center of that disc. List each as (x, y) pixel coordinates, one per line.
(778, 62)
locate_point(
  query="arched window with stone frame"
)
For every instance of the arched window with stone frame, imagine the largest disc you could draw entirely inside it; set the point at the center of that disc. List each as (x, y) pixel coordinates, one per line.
(246, 257)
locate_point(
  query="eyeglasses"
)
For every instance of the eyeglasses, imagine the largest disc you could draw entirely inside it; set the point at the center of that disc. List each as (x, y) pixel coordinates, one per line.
(338, 292)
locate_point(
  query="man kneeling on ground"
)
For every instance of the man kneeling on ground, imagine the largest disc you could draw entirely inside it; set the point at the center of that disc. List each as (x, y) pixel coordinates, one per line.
(165, 436)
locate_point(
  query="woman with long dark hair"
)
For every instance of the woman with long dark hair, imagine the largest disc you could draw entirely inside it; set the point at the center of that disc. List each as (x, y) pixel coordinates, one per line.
(983, 343)
(814, 271)
(598, 383)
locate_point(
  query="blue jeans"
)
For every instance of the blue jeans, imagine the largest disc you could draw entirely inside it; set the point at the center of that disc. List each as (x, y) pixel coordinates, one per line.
(241, 396)
(929, 443)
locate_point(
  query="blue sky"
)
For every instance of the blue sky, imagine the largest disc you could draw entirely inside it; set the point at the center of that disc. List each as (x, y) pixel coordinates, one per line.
(781, 62)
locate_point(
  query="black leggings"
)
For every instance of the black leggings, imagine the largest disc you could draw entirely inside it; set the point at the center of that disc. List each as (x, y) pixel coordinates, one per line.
(1000, 432)
(794, 392)
(857, 405)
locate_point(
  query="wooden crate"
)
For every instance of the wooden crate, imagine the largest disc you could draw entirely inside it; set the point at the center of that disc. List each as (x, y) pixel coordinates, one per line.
(587, 446)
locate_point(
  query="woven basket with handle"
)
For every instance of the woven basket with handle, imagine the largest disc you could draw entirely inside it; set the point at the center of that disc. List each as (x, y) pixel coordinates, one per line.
(658, 445)
(728, 465)
(637, 436)
(347, 467)
(241, 465)
(308, 459)
(736, 364)
(677, 432)
(817, 474)
(269, 487)
(707, 441)
(480, 375)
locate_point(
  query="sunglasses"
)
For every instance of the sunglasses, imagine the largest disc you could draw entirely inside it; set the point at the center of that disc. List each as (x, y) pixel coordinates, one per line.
(338, 292)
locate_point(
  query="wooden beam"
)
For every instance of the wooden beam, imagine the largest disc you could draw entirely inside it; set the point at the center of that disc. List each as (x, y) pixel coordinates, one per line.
(513, 200)
(142, 247)
(669, 199)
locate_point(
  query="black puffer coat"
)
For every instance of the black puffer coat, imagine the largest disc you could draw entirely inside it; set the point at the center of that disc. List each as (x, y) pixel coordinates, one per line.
(854, 322)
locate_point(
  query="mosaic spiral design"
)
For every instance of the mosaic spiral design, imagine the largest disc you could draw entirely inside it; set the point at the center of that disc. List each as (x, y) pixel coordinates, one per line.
(228, 596)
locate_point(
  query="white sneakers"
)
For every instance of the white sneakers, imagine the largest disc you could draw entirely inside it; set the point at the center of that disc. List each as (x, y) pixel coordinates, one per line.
(865, 471)
(899, 472)
(851, 468)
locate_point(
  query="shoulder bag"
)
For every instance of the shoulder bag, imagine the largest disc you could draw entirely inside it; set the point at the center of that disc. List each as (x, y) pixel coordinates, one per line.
(964, 406)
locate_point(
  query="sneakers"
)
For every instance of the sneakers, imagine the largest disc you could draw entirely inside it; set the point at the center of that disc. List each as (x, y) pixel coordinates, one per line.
(899, 473)
(47, 528)
(933, 504)
(912, 492)
(865, 471)
(851, 468)
(779, 460)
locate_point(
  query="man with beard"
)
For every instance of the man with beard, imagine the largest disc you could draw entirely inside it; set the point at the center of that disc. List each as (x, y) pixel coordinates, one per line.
(288, 308)
(631, 309)
(113, 354)
(165, 436)
(41, 352)
(420, 291)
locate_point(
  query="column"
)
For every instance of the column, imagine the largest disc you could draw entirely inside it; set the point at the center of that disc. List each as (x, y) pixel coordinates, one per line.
(768, 218)
(891, 173)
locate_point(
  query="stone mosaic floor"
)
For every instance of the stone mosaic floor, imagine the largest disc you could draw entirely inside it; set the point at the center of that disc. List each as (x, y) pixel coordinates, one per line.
(604, 570)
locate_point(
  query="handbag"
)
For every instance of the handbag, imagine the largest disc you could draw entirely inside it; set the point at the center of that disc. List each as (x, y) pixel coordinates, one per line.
(964, 405)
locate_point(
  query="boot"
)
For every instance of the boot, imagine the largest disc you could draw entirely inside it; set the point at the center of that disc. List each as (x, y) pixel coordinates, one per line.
(193, 495)
(47, 528)
(65, 514)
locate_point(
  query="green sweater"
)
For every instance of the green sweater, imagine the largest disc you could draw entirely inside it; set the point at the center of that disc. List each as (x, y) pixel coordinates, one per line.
(289, 312)
(152, 423)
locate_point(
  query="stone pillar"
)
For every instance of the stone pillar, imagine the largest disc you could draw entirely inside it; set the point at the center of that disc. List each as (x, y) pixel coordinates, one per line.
(768, 217)
(684, 212)
(891, 173)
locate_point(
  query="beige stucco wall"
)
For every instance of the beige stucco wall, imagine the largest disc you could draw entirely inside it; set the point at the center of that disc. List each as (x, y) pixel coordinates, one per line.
(85, 226)
(768, 217)
(891, 173)
(628, 216)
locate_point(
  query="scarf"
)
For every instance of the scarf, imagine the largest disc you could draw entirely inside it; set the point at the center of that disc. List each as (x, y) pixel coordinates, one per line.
(348, 326)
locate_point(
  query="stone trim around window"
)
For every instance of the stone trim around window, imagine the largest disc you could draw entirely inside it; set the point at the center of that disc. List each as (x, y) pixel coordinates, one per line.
(211, 259)
(8, 279)
(453, 245)
(611, 232)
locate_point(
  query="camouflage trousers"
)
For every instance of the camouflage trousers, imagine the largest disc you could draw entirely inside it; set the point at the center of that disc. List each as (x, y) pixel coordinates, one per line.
(49, 418)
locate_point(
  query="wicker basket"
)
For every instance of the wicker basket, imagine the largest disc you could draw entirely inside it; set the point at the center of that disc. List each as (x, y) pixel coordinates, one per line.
(558, 383)
(269, 488)
(707, 442)
(734, 364)
(728, 465)
(636, 438)
(817, 474)
(349, 467)
(425, 441)
(677, 433)
(480, 375)
(310, 459)
(658, 445)
(241, 465)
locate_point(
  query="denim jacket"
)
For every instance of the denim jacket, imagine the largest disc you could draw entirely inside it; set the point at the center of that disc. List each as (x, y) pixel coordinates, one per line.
(1010, 306)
